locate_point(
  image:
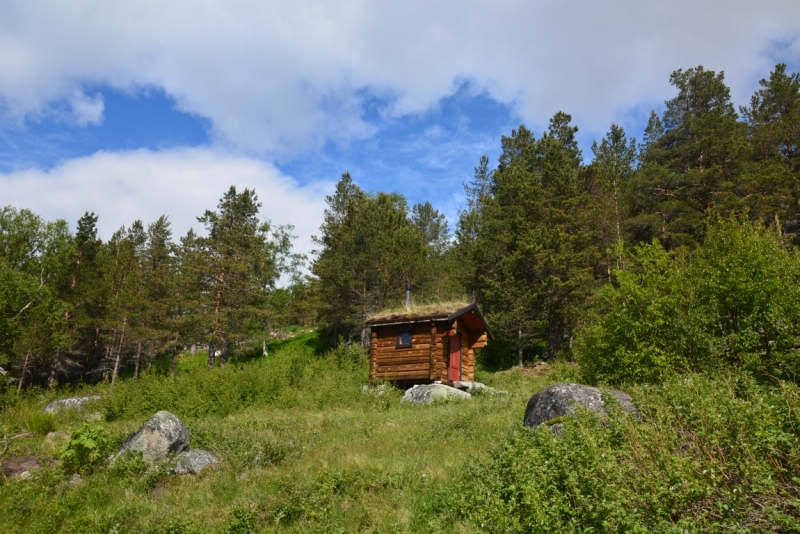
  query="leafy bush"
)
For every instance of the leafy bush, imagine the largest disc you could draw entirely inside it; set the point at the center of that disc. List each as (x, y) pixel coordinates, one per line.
(40, 423)
(708, 455)
(240, 521)
(85, 449)
(735, 301)
(130, 465)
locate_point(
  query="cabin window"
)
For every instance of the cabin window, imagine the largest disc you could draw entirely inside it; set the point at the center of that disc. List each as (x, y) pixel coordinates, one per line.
(404, 338)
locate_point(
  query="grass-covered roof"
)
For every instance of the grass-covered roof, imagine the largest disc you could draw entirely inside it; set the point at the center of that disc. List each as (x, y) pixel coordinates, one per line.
(427, 309)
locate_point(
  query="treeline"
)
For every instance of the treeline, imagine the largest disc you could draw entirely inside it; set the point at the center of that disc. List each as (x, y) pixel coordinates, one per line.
(544, 230)
(557, 250)
(77, 309)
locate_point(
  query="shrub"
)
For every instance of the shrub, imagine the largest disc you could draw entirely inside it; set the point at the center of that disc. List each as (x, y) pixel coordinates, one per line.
(708, 455)
(40, 423)
(735, 301)
(85, 449)
(130, 465)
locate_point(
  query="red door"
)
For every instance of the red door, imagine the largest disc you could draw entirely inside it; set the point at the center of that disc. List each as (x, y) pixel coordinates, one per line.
(455, 357)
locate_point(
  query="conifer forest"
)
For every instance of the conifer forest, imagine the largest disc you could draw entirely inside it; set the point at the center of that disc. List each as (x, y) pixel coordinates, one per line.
(674, 251)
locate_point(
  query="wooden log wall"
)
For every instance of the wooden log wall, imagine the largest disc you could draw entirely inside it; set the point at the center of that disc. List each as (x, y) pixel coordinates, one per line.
(428, 357)
(391, 363)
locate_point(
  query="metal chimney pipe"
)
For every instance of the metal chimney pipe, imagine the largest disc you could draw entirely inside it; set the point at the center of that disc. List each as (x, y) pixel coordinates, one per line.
(408, 295)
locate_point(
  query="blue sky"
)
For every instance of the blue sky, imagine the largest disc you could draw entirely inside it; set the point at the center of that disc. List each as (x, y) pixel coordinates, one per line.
(135, 109)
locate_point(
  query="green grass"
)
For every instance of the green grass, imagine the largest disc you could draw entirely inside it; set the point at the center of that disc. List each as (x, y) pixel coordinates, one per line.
(305, 450)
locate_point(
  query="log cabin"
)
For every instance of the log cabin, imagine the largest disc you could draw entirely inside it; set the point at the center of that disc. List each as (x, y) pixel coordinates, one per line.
(434, 343)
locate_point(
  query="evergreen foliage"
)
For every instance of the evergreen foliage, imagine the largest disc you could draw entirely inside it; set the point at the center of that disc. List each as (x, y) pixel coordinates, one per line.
(541, 237)
(77, 309)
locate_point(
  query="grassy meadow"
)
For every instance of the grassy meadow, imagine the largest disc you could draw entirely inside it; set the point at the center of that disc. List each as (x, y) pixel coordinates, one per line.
(304, 449)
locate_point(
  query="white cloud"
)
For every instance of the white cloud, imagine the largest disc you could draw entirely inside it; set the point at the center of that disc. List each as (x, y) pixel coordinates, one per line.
(124, 186)
(277, 77)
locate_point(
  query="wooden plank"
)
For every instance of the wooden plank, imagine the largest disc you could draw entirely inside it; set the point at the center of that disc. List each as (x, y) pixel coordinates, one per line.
(432, 350)
(395, 354)
(373, 355)
(406, 366)
(422, 344)
(403, 361)
(415, 375)
(403, 369)
(416, 340)
(401, 353)
(478, 341)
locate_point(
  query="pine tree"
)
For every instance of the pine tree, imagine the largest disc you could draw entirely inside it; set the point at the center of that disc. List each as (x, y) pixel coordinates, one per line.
(691, 169)
(772, 187)
(236, 267)
(611, 172)
(535, 251)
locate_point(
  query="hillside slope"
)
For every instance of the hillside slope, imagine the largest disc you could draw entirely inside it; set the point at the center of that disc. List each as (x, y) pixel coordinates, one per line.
(304, 449)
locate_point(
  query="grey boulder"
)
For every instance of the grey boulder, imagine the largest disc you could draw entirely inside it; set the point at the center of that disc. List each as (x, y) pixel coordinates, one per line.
(162, 436)
(561, 400)
(193, 461)
(425, 394)
(70, 402)
(472, 387)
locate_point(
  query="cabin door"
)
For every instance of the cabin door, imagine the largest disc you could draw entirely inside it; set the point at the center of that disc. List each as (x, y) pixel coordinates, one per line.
(455, 358)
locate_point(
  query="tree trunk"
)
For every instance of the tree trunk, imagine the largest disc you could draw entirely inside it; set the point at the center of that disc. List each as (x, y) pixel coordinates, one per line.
(520, 345)
(366, 337)
(223, 358)
(555, 337)
(174, 359)
(24, 370)
(264, 348)
(136, 363)
(212, 352)
(115, 374)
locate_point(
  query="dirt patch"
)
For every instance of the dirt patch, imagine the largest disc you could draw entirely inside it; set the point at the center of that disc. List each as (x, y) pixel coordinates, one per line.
(17, 465)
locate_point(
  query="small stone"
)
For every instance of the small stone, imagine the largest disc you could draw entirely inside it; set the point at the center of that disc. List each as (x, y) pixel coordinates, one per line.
(192, 462)
(74, 480)
(25, 475)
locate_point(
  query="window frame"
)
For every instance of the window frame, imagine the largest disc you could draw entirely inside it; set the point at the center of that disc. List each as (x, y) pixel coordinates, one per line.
(398, 337)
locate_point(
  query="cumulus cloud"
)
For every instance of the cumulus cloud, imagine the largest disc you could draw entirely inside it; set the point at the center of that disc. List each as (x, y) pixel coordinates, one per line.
(284, 76)
(182, 183)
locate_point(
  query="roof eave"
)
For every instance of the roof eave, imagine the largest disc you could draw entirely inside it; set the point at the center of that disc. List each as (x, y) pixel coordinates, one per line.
(467, 309)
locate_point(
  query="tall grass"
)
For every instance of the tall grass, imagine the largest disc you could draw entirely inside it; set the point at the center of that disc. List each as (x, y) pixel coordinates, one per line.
(304, 449)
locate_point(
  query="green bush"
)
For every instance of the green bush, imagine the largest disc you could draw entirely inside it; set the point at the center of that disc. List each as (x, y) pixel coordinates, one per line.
(40, 423)
(85, 449)
(734, 302)
(130, 465)
(708, 455)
